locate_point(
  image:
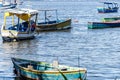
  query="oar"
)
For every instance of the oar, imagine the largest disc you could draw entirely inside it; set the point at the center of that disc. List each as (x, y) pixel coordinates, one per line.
(65, 78)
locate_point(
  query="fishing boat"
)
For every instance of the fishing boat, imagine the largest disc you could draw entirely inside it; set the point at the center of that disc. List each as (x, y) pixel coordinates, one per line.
(98, 25)
(51, 22)
(40, 70)
(108, 7)
(19, 2)
(4, 4)
(19, 24)
(108, 19)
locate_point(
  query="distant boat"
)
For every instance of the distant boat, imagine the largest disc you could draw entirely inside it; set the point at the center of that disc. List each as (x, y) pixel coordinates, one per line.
(7, 4)
(52, 23)
(19, 2)
(37, 70)
(111, 19)
(100, 25)
(108, 8)
(21, 26)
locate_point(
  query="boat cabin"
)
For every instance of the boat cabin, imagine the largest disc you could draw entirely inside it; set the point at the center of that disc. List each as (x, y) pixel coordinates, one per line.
(21, 20)
(110, 5)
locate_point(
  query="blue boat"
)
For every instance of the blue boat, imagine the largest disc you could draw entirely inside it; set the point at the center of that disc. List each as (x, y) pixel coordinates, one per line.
(108, 8)
(37, 70)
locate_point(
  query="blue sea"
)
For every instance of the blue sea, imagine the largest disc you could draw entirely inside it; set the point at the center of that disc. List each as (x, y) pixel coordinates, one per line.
(97, 50)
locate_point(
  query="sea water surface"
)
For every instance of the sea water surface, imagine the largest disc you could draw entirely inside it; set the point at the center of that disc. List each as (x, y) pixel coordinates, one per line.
(98, 49)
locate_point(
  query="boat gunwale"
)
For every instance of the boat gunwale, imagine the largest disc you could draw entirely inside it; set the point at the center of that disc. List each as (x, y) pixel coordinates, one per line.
(62, 21)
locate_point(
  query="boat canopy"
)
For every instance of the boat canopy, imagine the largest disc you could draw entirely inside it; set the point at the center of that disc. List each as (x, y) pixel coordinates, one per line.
(24, 14)
(109, 3)
(48, 12)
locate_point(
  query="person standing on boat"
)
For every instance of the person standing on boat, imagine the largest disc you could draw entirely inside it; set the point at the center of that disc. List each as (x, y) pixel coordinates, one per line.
(33, 25)
(15, 1)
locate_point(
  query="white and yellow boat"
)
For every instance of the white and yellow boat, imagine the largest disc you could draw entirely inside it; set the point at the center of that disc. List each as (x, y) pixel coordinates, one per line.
(22, 27)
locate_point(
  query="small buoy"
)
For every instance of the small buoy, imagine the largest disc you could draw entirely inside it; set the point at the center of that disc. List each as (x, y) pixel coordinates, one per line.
(14, 40)
(76, 21)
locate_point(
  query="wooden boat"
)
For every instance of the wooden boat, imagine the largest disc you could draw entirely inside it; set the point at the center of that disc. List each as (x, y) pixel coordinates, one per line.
(22, 27)
(98, 25)
(53, 23)
(36, 70)
(108, 8)
(111, 19)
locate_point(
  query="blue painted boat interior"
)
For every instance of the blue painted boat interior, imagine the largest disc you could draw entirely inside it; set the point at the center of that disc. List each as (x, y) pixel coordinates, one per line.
(22, 27)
